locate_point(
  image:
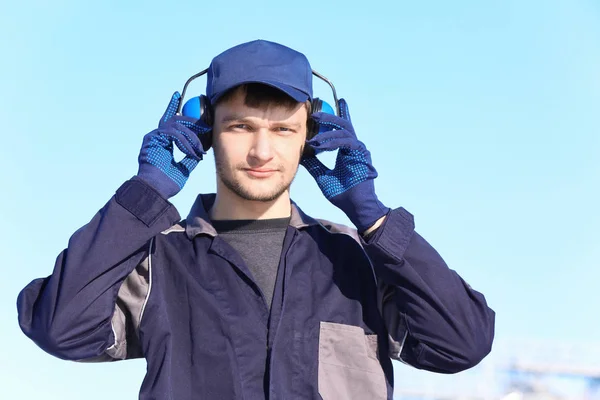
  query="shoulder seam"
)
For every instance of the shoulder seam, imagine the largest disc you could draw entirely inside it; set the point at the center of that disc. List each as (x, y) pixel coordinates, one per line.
(348, 231)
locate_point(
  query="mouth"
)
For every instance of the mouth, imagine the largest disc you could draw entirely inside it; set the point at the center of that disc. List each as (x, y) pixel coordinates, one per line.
(260, 173)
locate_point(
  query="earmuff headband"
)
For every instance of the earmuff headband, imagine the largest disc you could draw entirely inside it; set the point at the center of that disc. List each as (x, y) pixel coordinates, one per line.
(315, 73)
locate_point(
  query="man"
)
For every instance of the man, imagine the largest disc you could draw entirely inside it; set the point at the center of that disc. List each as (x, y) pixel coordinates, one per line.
(248, 297)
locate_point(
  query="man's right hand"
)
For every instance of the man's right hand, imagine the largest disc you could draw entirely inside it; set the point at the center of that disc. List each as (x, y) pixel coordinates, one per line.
(157, 167)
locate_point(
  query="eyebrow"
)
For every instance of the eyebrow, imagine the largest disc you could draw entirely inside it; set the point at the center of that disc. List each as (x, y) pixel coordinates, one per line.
(234, 117)
(239, 118)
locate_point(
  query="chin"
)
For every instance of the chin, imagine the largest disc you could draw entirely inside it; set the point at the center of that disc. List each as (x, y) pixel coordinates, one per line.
(262, 190)
(255, 191)
(261, 195)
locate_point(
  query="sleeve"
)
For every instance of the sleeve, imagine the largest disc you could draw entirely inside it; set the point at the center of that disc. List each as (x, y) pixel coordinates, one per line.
(89, 309)
(435, 320)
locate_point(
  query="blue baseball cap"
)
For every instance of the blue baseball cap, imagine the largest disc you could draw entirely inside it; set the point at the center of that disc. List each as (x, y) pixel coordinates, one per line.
(260, 61)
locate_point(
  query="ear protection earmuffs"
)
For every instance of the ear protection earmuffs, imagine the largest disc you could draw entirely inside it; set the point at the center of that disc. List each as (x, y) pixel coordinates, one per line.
(200, 108)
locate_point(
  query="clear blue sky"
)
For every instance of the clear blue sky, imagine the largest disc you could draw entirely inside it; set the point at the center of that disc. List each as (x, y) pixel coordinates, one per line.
(483, 119)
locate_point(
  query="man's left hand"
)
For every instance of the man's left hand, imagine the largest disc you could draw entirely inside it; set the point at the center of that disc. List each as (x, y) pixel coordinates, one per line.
(349, 185)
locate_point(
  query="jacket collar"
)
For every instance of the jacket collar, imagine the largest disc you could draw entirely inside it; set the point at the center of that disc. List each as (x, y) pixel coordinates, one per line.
(198, 221)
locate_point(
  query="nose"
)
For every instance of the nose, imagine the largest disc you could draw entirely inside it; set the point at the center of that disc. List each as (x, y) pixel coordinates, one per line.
(262, 147)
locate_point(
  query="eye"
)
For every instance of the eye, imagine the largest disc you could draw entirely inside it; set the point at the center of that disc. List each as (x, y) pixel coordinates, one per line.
(284, 129)
(240, 127)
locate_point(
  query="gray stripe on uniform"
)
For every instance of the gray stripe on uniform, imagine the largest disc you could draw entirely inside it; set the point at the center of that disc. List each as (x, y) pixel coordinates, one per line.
(129, 307)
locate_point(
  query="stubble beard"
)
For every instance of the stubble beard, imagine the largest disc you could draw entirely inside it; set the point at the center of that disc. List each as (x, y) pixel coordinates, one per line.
(238, 188)
(224, 175)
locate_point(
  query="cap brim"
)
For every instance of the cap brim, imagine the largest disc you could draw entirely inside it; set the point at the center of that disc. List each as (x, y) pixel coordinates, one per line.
(294, 93)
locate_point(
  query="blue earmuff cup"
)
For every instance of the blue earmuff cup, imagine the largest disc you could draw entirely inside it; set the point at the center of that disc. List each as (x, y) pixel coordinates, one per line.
(191, 108)
(326, 108)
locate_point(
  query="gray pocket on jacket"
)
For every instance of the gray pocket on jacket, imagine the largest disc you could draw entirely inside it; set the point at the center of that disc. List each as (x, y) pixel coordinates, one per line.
(348, 364)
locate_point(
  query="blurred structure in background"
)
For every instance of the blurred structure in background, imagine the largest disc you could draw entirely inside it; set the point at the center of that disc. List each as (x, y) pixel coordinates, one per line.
(515, 370)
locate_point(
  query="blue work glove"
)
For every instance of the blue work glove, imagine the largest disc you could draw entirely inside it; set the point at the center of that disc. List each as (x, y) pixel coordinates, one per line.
(349, 186)
(157, 167)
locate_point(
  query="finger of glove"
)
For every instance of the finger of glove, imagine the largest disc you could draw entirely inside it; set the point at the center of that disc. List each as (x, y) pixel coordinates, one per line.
(342, 121)
(344, 110)
(195, 125)
(186, 141)
(171, 108)
(331, 121)
(333, 140)
(198, 127)
(314, 166)
(187, 165)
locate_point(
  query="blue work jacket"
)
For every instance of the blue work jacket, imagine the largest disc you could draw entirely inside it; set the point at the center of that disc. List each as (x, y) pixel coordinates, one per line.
(137, 281)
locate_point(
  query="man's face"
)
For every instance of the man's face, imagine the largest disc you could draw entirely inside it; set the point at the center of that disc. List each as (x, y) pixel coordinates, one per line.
(258, 150)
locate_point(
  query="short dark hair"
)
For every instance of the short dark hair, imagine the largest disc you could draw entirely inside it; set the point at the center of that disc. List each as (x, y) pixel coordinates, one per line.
(258, 95)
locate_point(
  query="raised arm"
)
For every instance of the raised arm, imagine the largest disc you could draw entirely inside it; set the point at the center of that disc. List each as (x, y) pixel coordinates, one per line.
(436, 320)
(82, 310)
(92, 304)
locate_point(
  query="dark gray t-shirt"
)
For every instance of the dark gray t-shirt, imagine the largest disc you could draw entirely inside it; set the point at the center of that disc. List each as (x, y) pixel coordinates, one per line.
(259, 243)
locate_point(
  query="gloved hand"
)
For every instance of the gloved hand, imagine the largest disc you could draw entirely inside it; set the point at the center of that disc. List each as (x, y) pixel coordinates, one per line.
(349, 186)
(157, 167)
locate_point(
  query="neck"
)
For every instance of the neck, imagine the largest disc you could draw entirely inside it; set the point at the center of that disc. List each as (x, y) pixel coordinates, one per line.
(229, 206)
